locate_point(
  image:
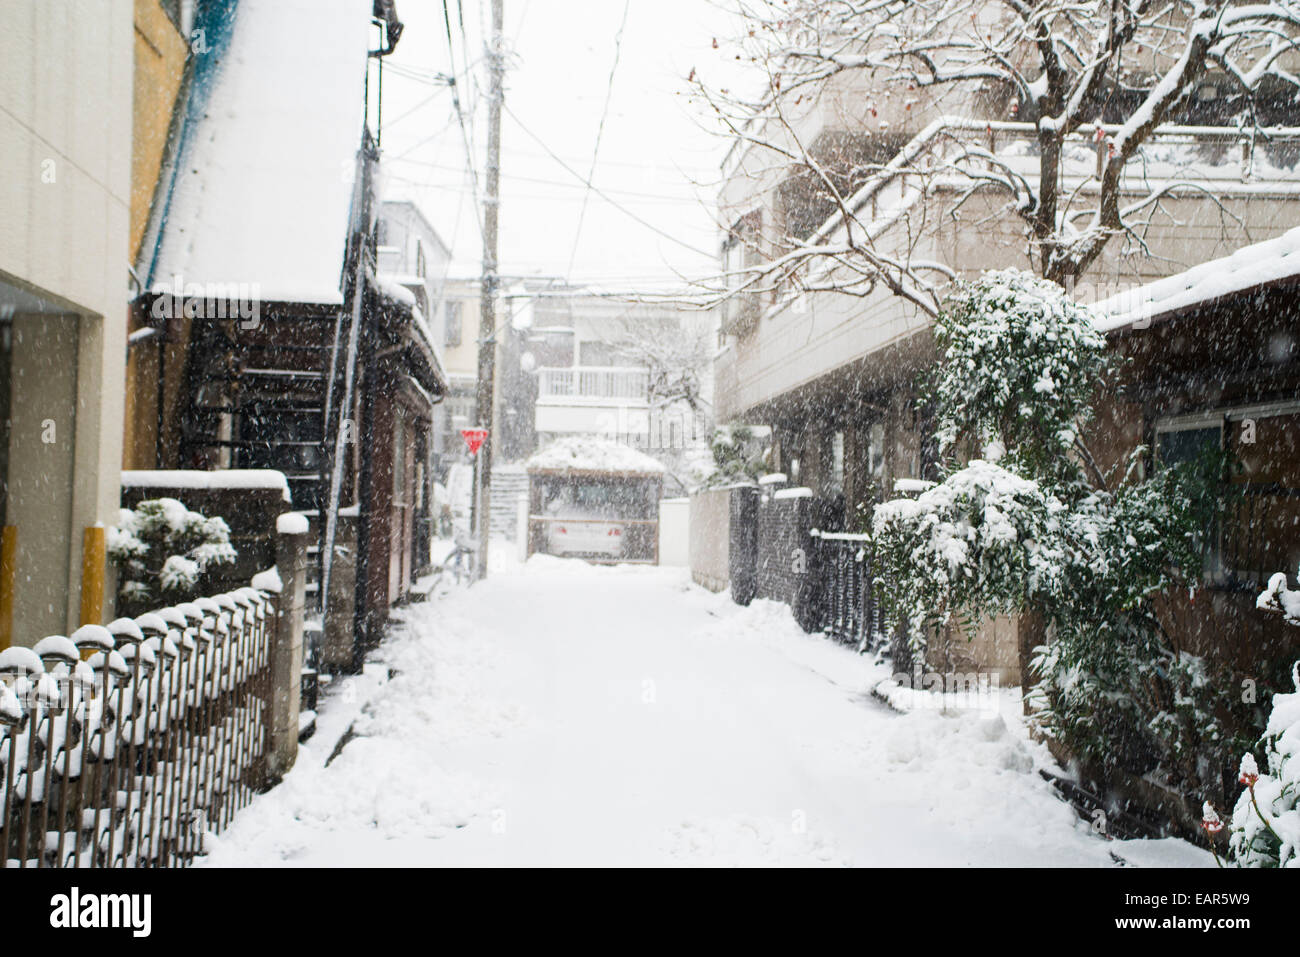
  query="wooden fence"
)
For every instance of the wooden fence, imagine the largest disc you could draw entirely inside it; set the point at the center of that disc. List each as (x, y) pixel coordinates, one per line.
(122, 746)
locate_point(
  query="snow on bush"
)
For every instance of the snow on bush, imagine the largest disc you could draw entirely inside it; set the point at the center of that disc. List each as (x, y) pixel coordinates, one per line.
(1266, 820)
(737, 456)
(163, 549)
(1035, 528)
(1280, 600)
(984, 539)
(1022, 362)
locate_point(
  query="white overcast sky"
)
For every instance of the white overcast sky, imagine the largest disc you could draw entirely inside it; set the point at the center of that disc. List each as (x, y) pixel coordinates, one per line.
(655, 159)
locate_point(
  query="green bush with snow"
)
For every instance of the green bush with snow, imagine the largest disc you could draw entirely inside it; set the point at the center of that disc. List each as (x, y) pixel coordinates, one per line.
(163, 552)
(1033, 526)
(1266, 820)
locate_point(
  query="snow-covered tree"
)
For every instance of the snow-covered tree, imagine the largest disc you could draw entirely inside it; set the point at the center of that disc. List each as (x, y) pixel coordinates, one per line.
(163, 551)
(1034, 526)
(1091, 76)
(676, 350)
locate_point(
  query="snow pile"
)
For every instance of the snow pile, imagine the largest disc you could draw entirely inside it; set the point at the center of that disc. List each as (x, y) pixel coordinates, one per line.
(390, 288)
(264, 181)
(586, 453)
(1245, 269)
(268, 580)
(747, 841)
(292, 523)
(376, 774)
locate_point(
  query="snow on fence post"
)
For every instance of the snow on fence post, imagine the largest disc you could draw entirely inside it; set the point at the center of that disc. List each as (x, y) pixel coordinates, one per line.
(123, 746)
(287, 642)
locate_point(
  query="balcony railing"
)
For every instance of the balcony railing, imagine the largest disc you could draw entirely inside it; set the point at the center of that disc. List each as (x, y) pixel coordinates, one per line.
(594, 382)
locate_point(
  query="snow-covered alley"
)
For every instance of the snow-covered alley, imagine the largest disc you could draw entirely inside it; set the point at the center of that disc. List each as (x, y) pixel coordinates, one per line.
(563, 714)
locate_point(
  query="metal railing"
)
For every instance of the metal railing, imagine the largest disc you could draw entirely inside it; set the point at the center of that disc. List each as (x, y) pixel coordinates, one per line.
(124, 745)
(594, 382)
(849, 602)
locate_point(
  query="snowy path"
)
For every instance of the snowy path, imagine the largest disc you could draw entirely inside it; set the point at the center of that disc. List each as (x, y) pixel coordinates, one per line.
(565, 715)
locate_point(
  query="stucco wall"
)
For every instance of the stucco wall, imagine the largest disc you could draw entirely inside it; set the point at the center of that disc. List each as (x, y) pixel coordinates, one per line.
(710, 531)
(675, 532)
(65, 157)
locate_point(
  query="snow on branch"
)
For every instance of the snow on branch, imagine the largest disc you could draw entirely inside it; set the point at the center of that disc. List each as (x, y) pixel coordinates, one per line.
(864, 104)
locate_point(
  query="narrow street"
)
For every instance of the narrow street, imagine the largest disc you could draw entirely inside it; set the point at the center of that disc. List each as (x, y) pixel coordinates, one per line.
(560, 714)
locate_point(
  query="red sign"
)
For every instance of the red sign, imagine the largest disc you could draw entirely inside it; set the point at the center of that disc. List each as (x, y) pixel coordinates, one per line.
(474, 438)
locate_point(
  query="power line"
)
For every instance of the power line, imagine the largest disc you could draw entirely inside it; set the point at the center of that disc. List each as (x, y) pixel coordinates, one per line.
(460, 116)
(419, 106)
(600, 131)
(662, 198)
(599, 192)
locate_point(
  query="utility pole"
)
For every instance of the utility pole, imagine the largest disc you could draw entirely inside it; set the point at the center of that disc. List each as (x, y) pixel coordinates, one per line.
(487, 339)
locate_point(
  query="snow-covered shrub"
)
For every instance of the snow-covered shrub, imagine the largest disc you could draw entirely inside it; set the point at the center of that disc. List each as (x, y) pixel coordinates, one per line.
(163, 550)
(1266, 820)
(1022, 362)
(1280, 600)
(1033, 527)
(737, 456)
(985, 540)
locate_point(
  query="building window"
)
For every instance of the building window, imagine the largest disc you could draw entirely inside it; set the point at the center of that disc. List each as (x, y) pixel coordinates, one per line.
(1187, 442)
(836, 478)
(454, 323)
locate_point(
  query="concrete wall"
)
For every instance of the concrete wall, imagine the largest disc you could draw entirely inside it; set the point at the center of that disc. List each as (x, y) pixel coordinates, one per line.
(710, 533)
(65, 158)
(675, 532)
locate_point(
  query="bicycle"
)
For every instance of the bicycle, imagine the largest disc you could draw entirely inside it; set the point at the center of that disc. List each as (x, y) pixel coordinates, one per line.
(458, 563)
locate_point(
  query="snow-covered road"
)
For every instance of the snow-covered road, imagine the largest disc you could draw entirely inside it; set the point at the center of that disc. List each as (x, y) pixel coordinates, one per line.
(560, 714)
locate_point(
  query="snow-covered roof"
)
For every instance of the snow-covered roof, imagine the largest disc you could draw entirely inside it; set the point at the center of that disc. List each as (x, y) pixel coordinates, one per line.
(585, 453)
(1247, 268)
(264, 175)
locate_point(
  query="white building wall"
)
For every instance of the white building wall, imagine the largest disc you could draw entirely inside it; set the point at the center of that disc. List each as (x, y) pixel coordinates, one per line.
(65, 153)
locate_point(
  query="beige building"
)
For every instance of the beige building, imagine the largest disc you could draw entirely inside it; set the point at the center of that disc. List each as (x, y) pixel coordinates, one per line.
(834, 373)
(65, 184)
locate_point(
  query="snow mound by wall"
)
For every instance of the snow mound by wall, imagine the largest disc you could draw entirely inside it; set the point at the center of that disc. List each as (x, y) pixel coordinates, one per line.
(585, 453)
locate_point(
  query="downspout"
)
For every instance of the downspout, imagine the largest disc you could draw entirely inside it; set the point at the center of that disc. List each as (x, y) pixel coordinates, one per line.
(361, 602)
